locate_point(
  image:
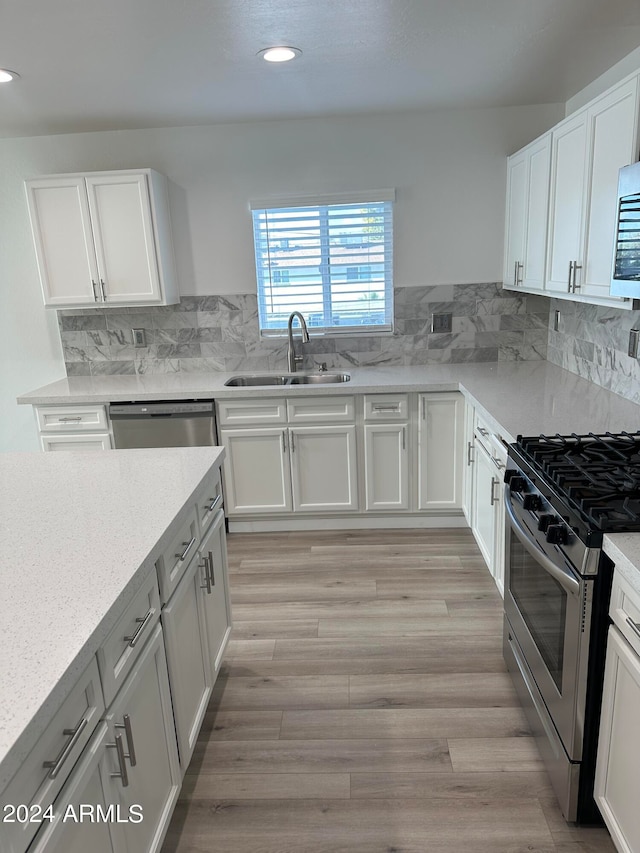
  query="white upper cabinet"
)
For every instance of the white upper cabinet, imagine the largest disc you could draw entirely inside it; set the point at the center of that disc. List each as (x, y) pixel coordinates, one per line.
(103, 238)
(527, 209)
(562, 194)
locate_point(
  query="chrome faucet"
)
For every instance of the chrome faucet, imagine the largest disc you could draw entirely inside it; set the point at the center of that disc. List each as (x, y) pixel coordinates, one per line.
(294, 360)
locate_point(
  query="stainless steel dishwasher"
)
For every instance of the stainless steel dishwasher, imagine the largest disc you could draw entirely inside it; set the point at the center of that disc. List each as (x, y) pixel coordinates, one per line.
(176, 423)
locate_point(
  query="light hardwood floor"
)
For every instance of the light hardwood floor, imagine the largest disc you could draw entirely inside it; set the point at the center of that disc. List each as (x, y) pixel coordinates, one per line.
(364, 707)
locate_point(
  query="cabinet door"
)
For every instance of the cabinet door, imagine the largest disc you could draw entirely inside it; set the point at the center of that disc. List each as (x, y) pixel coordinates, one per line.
(613, 122)
(568, 175)
(185, 637)
(386, 466)
(440, 451)
(215, 594)
(324, 468)
(90, 441)
(469, 453)
(618, 766)
(483, 516)
(256, 471)
(63, 240)
(153, 772)
(88, 789)
(515, 217)
(124, 239)
(537, 210)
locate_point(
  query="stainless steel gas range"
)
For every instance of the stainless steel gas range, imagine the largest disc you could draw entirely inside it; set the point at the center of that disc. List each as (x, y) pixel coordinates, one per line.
(562, 494)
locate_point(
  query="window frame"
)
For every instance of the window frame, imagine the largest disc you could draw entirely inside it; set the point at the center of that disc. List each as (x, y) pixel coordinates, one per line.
(322, 203)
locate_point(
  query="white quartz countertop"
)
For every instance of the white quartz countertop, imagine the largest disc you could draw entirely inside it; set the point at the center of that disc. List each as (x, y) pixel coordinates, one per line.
(521, 397)
(624, 550)
(79, 533)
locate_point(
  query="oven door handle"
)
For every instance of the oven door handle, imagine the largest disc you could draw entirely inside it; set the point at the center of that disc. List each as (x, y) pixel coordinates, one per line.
(566, 580)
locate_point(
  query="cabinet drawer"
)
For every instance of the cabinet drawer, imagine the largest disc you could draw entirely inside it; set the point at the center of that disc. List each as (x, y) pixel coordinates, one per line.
(121, 648)
(238, 412)
(177, 555)
(482, 432)
(386, 407)
(209, 502)
(319, 409)
(60, 745)
(78, 441)
(71, 418)
(625, 610)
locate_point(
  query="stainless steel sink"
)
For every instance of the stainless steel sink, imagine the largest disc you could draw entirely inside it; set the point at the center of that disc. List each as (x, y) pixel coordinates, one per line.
(287, 379)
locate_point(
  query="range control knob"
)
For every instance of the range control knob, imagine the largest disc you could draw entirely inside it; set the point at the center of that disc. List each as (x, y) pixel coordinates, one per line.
(545, 521)
(556, 534)
(517, 484)
(532, 502)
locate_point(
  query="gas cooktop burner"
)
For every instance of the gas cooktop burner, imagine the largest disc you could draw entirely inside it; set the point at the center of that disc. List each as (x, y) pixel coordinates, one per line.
(598, 474)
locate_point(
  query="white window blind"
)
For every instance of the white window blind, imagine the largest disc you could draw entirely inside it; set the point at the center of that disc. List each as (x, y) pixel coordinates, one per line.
(332, 261)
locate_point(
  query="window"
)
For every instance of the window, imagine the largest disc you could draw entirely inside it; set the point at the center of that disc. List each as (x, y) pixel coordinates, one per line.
(330, 259)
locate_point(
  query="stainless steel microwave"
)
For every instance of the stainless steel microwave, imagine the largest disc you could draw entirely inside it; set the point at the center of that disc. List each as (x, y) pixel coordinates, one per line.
(625, 277)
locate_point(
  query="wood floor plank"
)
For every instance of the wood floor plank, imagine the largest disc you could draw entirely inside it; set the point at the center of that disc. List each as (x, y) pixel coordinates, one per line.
(439, 626)
(302, 590)
(498, 754)
(411, 755)
(348, 564)
(304, 691)
(267, 786)
(390, 723)
(245, 628)
(456, 585)
(448, 690)
(249, 649)
(479, 785)
(240, 725)
(363, 826)
(444, 650)
(307, 610)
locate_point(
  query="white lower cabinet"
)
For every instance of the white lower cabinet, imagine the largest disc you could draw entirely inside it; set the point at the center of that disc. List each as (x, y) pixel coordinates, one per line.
(386, 471)
(73, 427)
(323, 468)
(185, 635)
(468, 464)
(217, 604)
(440, 450)
(140, 720)
(482, 518)
(618, 765)
(256, 470)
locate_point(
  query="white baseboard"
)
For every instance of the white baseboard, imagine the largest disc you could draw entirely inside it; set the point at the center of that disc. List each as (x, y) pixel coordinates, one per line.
(282, 525)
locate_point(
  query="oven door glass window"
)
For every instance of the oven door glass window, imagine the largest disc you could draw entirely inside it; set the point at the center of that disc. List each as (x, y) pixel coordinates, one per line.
(542, 603)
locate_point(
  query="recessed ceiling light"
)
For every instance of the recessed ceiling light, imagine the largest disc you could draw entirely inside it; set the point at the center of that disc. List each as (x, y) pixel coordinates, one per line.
(7, 76)
(279, 54)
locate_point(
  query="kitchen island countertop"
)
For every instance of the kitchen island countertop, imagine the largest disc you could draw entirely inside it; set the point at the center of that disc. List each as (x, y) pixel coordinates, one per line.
(79, 534)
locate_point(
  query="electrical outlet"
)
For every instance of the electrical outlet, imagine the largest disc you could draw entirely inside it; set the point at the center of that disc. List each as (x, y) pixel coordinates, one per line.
(139, 337)
(441, 322)
(634, 335)
(556, 320)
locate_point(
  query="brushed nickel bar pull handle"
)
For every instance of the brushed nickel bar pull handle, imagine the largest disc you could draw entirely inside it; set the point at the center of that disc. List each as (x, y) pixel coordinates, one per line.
(74, 735)
(635, 626)
(519, 267)
(214, 503)
(95, 292)
(207, 577)
(390, 408)
(404, 438)
(515, 275)
(213, 577)
(469, 451)
(68, 419)
(570, 276)
(499, 465)
(576, 267)
(483, 431)
(129, 735)
(189, 546)
(119, 748)
(104, 295)
(284, 442)
(424, 409)
(292, 442)
(144, 621)
(494, 483)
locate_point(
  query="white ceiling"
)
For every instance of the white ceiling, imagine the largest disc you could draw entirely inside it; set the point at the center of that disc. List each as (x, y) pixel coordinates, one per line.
(115, 64)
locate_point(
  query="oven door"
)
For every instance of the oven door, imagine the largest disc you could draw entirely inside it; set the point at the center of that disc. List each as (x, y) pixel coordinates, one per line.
(548, 608)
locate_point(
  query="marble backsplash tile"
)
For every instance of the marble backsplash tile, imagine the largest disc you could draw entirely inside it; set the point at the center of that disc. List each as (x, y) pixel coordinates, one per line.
(592, 341)
(220, 333)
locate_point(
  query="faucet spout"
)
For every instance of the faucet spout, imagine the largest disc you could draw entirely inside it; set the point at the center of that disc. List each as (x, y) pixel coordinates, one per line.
(294, 360)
